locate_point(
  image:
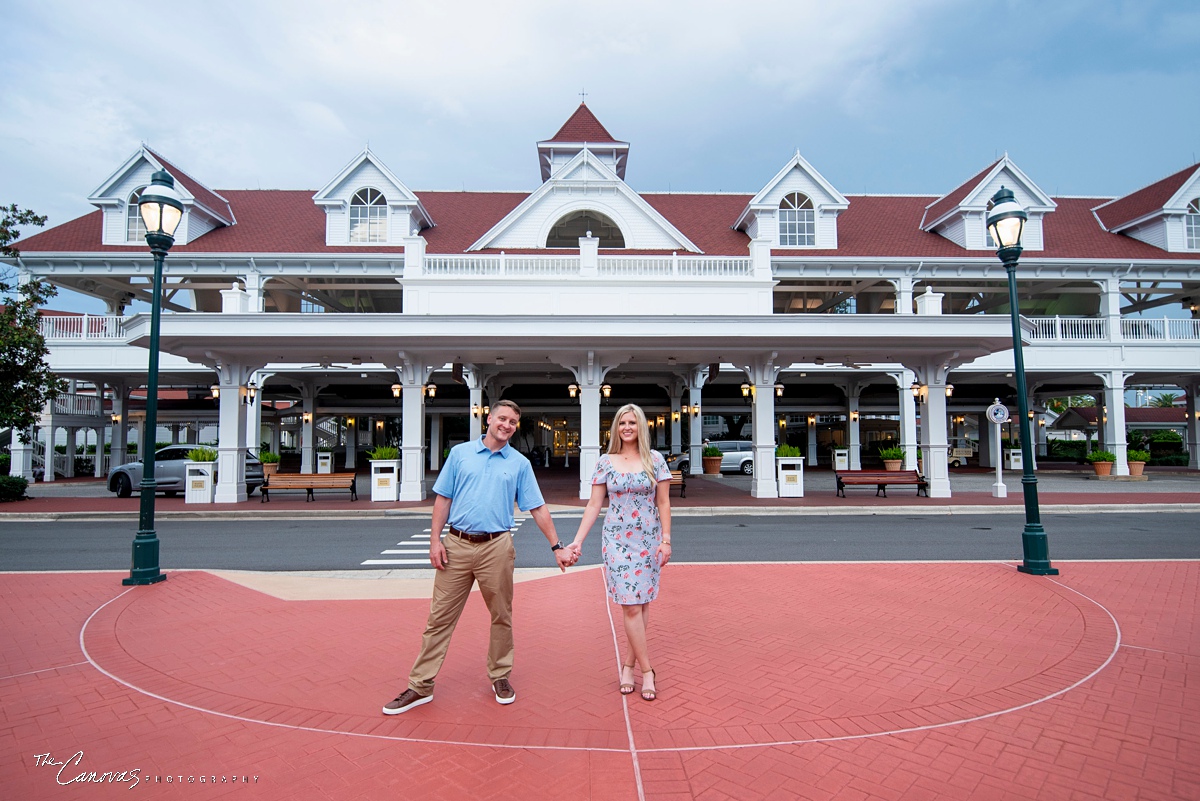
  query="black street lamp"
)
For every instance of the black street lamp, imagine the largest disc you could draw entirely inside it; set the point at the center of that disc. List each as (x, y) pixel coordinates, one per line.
(161, 211)
(1006, 222)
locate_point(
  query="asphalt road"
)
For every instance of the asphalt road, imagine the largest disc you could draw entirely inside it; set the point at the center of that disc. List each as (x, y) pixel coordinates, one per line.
(322, 544)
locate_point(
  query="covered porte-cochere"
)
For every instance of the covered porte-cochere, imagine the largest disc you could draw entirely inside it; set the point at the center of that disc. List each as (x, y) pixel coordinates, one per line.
(550, 364)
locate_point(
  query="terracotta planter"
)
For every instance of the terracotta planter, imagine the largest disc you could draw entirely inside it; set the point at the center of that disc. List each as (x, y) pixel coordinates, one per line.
(1135, 468)
(712, 465)
(892, 465)
(270, 468)
(1102, 468)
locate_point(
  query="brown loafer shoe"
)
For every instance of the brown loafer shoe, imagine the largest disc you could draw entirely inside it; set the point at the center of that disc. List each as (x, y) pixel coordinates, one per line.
(505, 694)
(404, 702)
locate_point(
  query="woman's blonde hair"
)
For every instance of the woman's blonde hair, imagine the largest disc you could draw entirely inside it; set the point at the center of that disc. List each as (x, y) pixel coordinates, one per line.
(643, 429)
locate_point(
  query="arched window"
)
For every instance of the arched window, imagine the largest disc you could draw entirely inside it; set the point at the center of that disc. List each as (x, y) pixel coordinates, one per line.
(797, 221)
(135, 229)
(1193, 224)
(368, 216)
(566, 232)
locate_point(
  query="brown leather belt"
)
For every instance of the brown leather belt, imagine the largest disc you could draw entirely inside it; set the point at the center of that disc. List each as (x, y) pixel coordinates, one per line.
(475, 538)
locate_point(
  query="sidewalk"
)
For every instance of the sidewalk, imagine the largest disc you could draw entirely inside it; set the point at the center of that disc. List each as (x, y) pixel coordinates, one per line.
(815, 681)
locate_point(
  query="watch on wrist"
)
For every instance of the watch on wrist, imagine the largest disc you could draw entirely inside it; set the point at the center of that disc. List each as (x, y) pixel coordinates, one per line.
(558, 546)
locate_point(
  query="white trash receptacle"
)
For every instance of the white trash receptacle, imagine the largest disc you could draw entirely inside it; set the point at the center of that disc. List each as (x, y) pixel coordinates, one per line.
(789, 471)
(1012, 460)
(200, 482)
(324, 462)
(385, 480)
(841, 458)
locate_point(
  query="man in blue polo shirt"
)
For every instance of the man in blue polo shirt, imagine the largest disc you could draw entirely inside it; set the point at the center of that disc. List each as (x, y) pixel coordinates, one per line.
(475, 492)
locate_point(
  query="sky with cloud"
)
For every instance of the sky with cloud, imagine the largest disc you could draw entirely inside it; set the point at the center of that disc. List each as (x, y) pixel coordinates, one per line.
(1089, 98)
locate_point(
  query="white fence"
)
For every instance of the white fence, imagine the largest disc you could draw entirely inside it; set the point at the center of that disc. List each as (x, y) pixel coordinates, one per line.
(75, 403)
(526, 266)
(1096, 329)
(84, 326)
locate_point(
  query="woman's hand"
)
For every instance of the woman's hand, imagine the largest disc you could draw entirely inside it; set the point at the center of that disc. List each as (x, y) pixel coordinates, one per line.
(663, 554)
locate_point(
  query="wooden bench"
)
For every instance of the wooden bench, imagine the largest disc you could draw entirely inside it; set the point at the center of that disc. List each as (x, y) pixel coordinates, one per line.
(678, 480)
(880, 479)
(308, 482)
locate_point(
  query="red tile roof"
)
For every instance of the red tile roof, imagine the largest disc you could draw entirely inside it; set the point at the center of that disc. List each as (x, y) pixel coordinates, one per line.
(1144, 201)
(582, 126)
(1137, 414)
(287, 221)
(204, 196)
(948, 202)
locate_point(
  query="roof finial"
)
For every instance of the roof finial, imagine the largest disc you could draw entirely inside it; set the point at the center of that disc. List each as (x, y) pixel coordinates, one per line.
(583, 94)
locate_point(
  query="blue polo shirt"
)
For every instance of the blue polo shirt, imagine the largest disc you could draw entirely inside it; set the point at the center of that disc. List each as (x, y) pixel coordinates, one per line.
(483, 484)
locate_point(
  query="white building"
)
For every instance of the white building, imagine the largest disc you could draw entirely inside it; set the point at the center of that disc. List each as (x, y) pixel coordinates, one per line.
(829, 306)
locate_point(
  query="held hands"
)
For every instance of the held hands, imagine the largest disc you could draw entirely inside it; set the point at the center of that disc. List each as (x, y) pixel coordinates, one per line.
(566, 558)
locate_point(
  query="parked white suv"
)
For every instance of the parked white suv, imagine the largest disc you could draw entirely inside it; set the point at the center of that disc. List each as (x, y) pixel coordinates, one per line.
(736, 455)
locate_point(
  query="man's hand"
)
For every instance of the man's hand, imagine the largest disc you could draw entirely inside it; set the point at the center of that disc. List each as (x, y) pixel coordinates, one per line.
(566, 557)
(437, 553)
(577, 549)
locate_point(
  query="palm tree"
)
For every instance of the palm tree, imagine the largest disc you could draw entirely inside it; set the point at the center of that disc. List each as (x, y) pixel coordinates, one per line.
(1165, 401)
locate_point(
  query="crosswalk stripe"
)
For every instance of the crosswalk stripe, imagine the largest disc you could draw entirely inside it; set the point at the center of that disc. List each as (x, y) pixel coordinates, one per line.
(396, 562)
(404, 550)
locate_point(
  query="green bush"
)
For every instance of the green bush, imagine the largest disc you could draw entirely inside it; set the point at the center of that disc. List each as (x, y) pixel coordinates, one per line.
(890, 454)
(268, 457)
(384, 452)
(1165, 435)
(202, 455)
(1170, 460)
(1066, 449)
(5, 463)
(12, 488)
(1138, 456)
(84, 467)
(711, 450)
(1101, 456)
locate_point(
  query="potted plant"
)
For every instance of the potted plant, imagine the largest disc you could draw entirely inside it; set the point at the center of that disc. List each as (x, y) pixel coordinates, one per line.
(270, 462)
(893, 457)
(1137, 461)
(789, 470)
(1102, 462)
(710, 457)
(385, 473)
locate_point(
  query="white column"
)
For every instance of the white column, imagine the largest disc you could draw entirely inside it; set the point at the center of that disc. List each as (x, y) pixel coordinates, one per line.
(350, 462)
(69, 470)
(254, 296)
(812, 439)
(904, 294)
(763, 374)
(308, 429)
(908, 419)
(413, 373)
(589, 437)
(1110, 307)
(1192, 407)
(474, 381)
(853, 427)
(98, 461)
(254, 417)
(140, 438)
(231, 434)
(192, 435)
(118, 451)
(1114, 423)
(22, 454)
(933, 435)
(696, 380)
(676, 418)
(435, 441)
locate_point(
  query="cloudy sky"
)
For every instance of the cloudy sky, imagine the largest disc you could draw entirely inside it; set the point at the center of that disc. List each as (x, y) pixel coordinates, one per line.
(1089, 97)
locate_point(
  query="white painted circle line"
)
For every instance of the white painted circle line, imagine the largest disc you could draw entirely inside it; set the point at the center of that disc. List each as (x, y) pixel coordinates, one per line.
(632, 749)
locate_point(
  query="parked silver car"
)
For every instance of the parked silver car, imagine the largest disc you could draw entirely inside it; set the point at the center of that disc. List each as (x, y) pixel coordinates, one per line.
(168, 472)
(736, 455)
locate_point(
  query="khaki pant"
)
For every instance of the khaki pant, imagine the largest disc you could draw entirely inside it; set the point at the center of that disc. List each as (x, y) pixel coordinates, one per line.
(489, 563)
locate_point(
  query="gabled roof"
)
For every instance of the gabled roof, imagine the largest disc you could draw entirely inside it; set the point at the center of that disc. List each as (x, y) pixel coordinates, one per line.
(1074, 416)
(582, 126)
(190, 190)
(325, 195)
(584, 160)
(966, 195)
(796, 162)
(1121, 212)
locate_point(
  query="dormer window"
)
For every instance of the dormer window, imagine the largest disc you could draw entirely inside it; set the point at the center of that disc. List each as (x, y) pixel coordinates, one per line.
(368, 216)
(135, 228)
(567, 231)
(1192, 224)
(797, 221)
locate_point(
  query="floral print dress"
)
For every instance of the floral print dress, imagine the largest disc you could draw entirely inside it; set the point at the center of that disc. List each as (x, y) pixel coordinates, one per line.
(632, 531)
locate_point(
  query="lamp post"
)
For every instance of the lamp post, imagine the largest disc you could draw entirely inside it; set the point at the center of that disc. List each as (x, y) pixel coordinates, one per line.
(161, 211)
(1006, 221)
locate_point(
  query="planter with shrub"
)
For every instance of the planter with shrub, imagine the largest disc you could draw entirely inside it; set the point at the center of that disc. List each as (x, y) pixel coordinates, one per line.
(1102, 462)
(1137, 461)
(893, 458)
(711, 460)
(270, 462)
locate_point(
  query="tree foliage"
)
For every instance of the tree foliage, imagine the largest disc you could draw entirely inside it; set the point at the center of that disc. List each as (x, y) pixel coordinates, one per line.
(1165, 401)
(26, 383)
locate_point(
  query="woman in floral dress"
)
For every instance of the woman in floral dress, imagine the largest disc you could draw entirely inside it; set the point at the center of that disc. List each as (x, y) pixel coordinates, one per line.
(637, 532)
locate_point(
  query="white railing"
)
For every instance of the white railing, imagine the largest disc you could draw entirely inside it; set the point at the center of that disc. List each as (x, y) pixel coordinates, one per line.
(75, 403)
(530, 266)
(1096, 329)
(85, 326)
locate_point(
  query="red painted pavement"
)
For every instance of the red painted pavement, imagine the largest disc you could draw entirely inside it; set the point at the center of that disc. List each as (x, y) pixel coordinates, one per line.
(885, 681)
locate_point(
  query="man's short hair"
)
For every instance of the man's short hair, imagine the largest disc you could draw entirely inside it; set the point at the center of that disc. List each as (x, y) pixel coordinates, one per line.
(509, 404)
